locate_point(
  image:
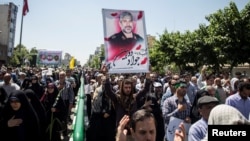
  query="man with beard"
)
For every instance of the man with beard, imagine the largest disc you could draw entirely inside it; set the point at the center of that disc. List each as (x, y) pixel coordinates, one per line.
(125, 101)
(126, 37)
(176, 105)
(241, 100)
(151, 103)
(143, 127)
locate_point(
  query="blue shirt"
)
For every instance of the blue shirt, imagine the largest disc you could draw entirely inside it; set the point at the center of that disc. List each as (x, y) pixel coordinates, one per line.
(198, 130)
(243, 105)
(191, 92)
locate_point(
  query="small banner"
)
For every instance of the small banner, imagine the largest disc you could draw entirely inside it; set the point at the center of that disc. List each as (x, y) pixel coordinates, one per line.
(125, 37)
(47, 57)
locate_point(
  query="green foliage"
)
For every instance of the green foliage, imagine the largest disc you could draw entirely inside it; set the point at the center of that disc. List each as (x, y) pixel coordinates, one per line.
(19, 54)
(226, 40)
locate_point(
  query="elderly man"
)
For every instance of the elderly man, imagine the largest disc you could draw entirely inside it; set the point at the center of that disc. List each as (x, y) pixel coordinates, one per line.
(198, 130)
(8, 85)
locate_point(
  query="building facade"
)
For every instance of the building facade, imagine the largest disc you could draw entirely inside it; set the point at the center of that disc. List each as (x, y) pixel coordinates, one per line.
(8, 16)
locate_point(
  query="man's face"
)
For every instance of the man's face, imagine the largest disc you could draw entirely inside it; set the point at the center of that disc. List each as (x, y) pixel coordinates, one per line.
(62, 76)
(206, 109)
(7, 78)
(181, 91)
(126, 24)
(245, 93)
(211, 91)
(127, 89)
(210, 81)
(144, 130)
(187, 78)
(158, 90)
(68, 73)
(172, 87)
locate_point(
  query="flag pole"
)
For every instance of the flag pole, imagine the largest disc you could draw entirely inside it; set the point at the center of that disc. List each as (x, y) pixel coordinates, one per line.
(25, 9)
(21, 32)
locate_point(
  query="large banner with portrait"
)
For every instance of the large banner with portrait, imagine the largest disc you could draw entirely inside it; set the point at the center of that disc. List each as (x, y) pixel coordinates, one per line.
(125, 37)
(47, 57)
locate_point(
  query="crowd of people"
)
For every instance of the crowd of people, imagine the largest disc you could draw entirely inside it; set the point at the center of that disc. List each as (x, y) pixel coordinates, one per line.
(37, 102)
(119, 103)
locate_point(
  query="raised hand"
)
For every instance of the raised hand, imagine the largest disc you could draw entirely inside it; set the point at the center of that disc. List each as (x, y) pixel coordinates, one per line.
(121, 131)
(180, 134)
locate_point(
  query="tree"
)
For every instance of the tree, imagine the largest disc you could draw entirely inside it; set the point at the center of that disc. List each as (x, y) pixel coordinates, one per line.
(245, 16)
(19, 54)
(226, 34)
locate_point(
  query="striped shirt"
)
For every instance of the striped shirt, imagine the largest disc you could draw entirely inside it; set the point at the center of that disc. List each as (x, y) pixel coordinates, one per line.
(170, 108)
(67, 92)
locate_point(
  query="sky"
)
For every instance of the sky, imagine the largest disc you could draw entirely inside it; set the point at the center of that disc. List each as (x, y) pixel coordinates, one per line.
(76, 26)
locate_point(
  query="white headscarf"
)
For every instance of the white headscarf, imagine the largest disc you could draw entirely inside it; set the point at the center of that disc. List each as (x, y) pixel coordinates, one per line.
(225, 115)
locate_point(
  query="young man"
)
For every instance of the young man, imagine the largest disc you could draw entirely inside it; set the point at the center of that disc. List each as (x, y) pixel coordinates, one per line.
(241, 100)
(143, 127)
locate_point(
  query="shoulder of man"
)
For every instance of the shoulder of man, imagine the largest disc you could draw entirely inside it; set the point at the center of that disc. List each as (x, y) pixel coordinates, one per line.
(56, 82)
(116, 36)
(138, 37)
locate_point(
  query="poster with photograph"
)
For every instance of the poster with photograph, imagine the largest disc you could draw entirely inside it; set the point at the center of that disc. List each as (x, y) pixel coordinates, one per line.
(47, 57)
(126, 49)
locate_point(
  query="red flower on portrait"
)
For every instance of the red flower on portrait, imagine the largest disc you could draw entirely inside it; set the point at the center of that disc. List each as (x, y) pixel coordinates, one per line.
(113, 14)
(138, 47)
(140, 15)
(144, 61)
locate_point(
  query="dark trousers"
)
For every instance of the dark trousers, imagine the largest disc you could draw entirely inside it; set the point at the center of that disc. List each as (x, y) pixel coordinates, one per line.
(101, 129)
(88, 103)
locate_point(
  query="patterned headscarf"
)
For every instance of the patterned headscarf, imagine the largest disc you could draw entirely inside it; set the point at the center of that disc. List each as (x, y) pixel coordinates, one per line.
(226, 115)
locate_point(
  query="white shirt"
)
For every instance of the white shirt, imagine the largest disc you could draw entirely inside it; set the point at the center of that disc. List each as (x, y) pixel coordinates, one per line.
(10, 87)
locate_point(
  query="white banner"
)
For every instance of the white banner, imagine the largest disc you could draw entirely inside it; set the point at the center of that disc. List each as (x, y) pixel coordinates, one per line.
(49, 57)
(125, 37)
